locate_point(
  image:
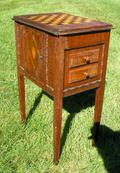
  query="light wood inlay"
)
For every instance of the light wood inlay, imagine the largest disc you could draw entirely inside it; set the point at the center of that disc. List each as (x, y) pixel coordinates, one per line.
(32, 17)
(77, 20)
(40, 18)
(57, 21)
(49, 19)
(68, 20)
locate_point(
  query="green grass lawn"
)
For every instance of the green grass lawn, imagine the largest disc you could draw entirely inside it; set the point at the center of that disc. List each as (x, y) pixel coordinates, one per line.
(29, 149)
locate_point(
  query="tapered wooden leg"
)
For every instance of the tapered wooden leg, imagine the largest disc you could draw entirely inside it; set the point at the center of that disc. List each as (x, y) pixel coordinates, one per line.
(58, 94)
(57, 126)
(21, 87)
(98, 110)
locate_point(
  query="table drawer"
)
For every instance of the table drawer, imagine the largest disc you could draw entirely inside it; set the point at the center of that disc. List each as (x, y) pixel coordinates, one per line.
(83, 73)
(83, 56)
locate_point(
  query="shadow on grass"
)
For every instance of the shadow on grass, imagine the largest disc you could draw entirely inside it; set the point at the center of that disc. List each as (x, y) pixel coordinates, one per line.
(72, 104)
(108, 146)
(36, 103)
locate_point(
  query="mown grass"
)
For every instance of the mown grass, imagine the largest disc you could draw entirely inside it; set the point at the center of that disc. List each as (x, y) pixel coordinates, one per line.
(29, 149)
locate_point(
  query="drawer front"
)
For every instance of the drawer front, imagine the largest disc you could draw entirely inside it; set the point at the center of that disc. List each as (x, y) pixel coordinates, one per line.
(82, 65)
(83, 73)
(83, 56)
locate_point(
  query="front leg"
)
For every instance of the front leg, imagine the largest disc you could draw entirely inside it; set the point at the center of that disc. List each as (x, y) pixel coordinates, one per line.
(21, 88)
(58, 101)
(100, 90)
(58, 95)
(98, 110)
(20, 72)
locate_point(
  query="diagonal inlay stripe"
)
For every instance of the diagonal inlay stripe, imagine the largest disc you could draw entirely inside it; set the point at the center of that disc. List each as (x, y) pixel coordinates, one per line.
(77, 20)
(40, 18)
(32, 17)
(49, 19)
(68, 20)
(57, 21)
(88, 20)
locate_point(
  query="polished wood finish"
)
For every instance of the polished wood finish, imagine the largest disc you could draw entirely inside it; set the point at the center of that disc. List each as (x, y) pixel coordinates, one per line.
(64, 55)
(83, 56)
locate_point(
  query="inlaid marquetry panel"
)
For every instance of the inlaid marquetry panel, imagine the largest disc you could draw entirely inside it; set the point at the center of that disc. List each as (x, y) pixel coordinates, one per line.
(34, 53)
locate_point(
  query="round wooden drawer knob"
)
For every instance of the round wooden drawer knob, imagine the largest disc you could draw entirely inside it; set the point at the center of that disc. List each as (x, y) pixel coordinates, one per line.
(87, 75)
(40, 56)
(87, 59)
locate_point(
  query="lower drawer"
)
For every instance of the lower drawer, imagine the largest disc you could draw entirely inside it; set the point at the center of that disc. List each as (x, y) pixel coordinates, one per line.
(82, 73)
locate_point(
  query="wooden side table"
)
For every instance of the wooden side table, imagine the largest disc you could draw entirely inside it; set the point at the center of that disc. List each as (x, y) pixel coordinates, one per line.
(64, 55)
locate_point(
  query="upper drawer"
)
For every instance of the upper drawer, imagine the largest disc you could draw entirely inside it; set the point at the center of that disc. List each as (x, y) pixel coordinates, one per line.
(83, 56)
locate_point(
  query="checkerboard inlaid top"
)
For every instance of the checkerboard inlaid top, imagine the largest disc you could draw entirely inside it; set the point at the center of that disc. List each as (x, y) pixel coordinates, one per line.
(58, 19)
(61, 23)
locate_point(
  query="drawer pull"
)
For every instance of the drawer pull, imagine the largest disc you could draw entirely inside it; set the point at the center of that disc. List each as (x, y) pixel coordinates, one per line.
(87, 59)
(87, 75)
(40, 57)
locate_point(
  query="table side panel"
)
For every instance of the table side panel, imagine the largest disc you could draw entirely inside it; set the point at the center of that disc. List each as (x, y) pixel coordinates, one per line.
(33, 53)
